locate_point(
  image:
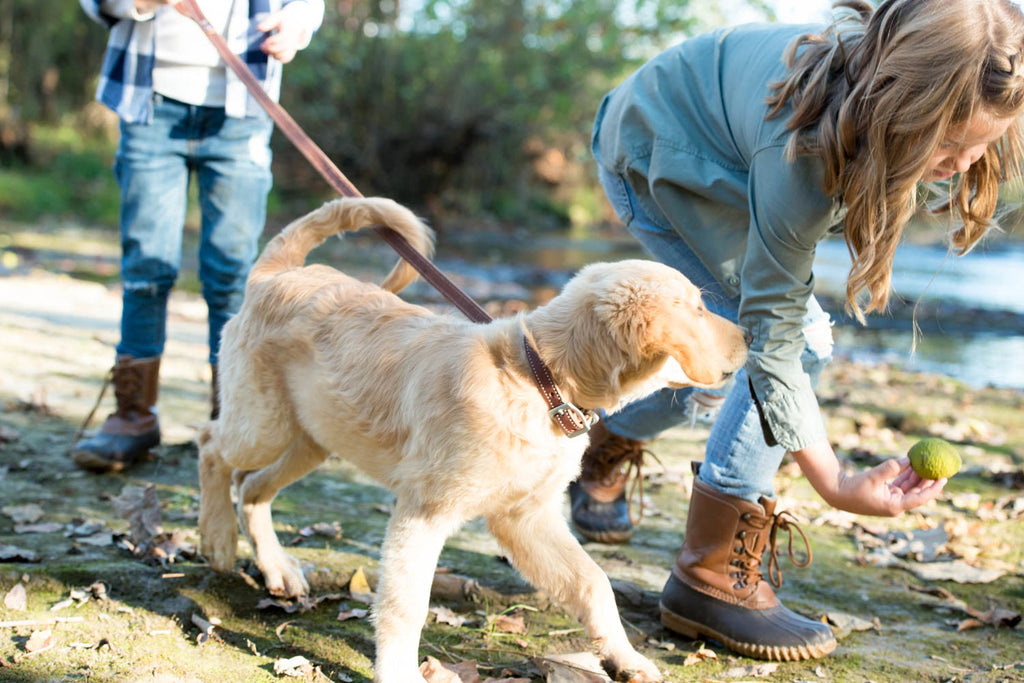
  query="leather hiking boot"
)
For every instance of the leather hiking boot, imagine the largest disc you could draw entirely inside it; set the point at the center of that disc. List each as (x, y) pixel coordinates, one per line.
(600, 508)
(717, 590)
(127, 434)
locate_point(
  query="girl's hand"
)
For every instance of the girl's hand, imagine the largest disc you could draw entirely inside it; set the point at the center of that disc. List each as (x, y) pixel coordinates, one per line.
(886, 490)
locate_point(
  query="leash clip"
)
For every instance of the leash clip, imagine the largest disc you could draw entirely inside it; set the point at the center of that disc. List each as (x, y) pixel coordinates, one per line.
(587, 418)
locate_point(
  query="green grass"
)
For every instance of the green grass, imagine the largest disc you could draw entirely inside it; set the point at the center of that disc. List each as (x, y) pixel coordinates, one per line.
(70, 176)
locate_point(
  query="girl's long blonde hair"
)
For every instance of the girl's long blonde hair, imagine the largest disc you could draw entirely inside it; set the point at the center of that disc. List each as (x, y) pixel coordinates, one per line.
(874, 95)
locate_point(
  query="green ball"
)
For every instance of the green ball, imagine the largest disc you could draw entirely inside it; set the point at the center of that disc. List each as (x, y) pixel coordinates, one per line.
(934, 458)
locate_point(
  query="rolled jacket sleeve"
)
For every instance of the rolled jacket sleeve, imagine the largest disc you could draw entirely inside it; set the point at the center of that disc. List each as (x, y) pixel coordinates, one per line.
(786, 223)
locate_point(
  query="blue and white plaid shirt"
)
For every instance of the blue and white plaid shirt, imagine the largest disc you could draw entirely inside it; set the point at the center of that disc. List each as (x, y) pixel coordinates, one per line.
(126, 79)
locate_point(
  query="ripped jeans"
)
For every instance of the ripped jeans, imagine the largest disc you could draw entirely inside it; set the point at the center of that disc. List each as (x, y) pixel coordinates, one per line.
(153, 167)
(737, 462)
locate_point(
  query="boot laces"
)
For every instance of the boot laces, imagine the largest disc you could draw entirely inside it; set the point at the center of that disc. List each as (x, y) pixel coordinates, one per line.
(785, 521)
(751, 548)
(618, 461)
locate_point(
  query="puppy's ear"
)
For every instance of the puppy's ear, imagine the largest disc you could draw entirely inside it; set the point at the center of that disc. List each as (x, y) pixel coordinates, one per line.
(628, 313)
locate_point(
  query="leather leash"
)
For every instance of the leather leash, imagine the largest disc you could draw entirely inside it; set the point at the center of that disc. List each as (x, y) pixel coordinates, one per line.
(570, 418)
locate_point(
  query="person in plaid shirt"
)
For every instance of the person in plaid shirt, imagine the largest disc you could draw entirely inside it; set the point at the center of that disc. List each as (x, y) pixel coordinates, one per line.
(184, 115)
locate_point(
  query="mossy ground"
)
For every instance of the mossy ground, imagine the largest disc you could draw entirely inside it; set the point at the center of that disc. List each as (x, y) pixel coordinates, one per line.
(56, 340)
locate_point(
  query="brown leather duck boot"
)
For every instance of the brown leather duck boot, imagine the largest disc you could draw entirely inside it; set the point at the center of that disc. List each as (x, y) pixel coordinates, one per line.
(717, 591)
(600, 509)
(128, 433)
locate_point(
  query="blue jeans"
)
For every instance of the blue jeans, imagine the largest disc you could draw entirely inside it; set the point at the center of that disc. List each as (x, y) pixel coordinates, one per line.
(737, 462)
(153, 167)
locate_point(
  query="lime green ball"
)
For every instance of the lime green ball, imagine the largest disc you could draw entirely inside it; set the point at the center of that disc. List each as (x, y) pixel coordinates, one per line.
(934, 458)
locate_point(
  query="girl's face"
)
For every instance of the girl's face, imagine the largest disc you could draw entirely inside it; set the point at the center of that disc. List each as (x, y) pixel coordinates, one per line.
(963, 145)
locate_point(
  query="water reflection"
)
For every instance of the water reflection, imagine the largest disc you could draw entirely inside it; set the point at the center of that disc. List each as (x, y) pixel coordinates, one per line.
(984, 279)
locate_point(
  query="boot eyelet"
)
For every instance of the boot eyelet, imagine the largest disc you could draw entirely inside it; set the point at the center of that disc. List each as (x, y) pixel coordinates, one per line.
(745, 516)
(742, 534)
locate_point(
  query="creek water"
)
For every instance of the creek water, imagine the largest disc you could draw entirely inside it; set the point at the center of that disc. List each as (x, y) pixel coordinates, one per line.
(974, 329)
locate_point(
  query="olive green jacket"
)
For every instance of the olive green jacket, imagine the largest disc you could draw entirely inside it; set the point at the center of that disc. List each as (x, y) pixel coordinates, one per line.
(688, 130)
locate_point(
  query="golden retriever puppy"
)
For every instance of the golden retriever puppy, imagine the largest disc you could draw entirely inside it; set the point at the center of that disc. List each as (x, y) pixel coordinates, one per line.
(442, 411)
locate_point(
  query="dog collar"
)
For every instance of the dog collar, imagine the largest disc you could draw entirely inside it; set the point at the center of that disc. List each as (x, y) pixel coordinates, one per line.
(573, 420)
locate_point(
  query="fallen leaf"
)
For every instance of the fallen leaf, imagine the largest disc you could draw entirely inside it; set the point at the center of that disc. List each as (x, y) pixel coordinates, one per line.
(39, 641)
(443, 615)
(436, 672)
(507, 623)
(843, 624)
(356, 613)
(957, 570)
(581, 667)
(701, 655)
(359, 587)
(141, 507)
(23, 514)
(994, 617)
(755, 670)
(296, 667)
(16, 598)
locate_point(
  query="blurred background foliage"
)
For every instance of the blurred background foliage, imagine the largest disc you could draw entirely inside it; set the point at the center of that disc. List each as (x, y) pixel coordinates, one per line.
(464, 109)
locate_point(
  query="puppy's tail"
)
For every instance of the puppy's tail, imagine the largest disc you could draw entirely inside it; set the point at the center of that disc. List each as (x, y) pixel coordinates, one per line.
(291, 246)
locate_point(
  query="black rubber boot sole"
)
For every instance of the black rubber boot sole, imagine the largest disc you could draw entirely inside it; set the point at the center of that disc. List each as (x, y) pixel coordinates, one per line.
(597, 521)
(104, 453)
(776, 634)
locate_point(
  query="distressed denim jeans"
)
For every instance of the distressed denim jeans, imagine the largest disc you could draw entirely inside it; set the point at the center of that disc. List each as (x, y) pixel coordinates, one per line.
(155, 163)
(737, 462)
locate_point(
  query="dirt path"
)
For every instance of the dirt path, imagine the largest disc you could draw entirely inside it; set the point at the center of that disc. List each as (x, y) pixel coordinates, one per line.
(80, 605)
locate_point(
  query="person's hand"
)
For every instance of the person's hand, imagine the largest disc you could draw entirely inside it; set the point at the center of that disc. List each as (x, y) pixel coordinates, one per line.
(289, 32)
(886, 490)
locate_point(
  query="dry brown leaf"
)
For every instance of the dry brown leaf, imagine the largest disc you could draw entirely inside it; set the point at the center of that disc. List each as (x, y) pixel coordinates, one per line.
(435, 672)
(141, 507)
(701, 655)
(16, 598)
(507, 623)
(39, 641)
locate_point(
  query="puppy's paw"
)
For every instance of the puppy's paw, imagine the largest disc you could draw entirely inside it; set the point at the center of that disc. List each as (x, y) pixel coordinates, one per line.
(219, 546)
(283, 576)
(634, 668)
